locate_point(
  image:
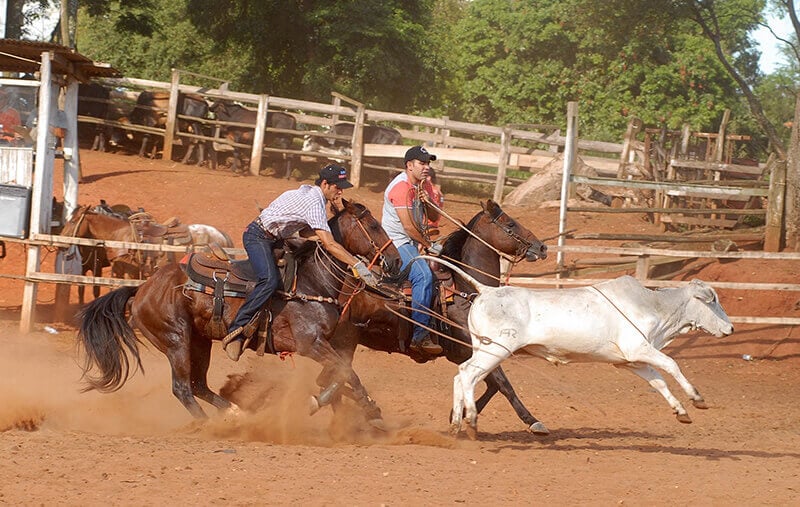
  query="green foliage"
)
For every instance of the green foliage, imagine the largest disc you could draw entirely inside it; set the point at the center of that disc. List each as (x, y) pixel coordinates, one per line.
(487, 61)
(778, 92)
(523, 60)
(171, 44)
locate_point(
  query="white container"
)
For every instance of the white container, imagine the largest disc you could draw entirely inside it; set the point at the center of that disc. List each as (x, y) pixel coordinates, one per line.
(15, 205)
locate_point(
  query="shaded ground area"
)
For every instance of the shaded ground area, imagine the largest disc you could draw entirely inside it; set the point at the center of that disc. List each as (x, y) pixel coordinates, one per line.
(613, 439)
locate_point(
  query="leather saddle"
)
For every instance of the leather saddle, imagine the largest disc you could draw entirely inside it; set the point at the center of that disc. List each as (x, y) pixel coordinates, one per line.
(171, 232)
(207, 271)
(236, 277)
(222, 277)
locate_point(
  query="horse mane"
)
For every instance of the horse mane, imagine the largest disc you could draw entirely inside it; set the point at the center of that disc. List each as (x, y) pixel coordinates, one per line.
(453, 243)
(333, 223)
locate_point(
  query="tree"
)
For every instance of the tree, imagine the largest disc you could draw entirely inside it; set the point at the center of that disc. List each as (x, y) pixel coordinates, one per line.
(20, 14)
(520, 62)
(374, 51)
(708, 15)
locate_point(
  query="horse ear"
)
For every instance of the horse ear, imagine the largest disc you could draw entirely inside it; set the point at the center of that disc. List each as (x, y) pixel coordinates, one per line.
(485, 204)
(345, 202)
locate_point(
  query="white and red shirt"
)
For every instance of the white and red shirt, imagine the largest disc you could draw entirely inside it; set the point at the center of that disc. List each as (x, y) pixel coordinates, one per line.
(400, 194)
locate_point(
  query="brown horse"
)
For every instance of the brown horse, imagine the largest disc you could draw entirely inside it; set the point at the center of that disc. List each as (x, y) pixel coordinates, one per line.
(87, 222)
(175, 318)
(477, 249)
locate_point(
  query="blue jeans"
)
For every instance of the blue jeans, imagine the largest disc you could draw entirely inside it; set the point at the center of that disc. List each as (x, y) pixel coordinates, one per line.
(421, 278)
(259, 251)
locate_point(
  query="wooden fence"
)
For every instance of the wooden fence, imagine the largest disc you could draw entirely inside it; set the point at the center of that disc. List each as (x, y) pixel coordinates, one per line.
(459, 146)
(643, 259)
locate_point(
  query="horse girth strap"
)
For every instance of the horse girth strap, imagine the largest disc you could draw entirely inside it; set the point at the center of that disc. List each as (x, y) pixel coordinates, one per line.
(216, 325)
(305, 297)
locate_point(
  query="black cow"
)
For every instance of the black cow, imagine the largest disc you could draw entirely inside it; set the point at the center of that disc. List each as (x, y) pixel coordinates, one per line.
(226, 111)
(151, 111)
(373, 134)
(93, 99)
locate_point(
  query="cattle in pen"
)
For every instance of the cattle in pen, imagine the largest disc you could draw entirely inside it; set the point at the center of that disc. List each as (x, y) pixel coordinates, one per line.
(617, 321)
(240, 129)
(339, 142)
(343, 132)
(151, 111)
(93, 102)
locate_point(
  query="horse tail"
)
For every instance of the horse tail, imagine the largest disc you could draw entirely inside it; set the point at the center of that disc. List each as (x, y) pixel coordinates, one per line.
(104, 334)
(472, 281)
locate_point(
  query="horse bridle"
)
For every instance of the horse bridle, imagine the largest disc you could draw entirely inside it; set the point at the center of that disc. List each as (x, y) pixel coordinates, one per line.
(524, 243)
(378, 249)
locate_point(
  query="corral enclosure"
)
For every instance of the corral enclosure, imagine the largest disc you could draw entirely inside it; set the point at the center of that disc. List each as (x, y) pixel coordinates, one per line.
(643, 175)
(613, 439)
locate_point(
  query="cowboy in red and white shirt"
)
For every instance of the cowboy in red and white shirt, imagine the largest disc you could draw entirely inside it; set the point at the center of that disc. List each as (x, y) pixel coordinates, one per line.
(404, 222)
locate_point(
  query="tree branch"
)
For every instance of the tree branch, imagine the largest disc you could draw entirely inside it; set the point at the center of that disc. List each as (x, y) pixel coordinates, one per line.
(705, 16)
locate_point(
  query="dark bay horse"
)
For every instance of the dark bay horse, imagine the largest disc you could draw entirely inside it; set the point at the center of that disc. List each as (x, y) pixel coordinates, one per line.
(87, 222)
(175, 318)
(495, 233)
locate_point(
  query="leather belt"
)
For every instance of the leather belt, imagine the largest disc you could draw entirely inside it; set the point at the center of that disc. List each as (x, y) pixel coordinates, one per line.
(269, 235)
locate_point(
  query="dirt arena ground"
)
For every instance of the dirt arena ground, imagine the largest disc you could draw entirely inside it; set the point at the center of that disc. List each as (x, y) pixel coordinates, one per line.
(613, 440)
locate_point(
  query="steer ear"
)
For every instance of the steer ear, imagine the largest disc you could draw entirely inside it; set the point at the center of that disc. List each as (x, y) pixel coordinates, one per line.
(703, 291)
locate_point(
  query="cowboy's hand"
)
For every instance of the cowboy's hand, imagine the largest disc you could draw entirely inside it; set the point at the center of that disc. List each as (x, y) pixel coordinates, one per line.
(435, 248)
(361, 271)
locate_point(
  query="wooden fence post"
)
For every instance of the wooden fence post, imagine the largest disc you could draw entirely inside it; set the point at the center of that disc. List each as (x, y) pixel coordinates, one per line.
(357, 153)
(505, 151)
(777, 193)
(570, 147)
(42, 189)
(258, 135)
(630, 137)
(172, 115)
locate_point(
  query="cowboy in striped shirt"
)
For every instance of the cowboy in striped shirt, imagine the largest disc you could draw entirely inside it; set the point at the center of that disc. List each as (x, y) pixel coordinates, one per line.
(293, 211)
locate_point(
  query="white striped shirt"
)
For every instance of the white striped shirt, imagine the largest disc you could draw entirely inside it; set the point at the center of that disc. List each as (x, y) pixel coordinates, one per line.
(295, 209)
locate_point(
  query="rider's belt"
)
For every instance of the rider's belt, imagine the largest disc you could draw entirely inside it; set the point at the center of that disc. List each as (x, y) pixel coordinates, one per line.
(269, 235)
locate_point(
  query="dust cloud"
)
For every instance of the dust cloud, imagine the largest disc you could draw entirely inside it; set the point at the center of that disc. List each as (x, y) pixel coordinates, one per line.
(40, 389)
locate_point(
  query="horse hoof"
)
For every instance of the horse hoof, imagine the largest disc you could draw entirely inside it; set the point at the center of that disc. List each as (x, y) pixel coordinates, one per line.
(472, 432)
(701, 403)
(313, 406)
(538, 428)
(233, 410)
(454, 429)
(378, 424)
(684, 418)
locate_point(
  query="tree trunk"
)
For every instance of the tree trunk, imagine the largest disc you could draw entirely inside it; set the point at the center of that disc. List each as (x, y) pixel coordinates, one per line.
(792, 203)
(14, 19)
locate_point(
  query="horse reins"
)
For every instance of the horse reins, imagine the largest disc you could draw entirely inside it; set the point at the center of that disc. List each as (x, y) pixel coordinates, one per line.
(513, 259)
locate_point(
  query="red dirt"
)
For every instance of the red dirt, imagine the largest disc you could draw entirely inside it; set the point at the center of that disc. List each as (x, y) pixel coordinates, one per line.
(613, 440)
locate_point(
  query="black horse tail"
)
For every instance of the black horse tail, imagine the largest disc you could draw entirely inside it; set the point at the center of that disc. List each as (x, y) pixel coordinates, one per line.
(104, 334)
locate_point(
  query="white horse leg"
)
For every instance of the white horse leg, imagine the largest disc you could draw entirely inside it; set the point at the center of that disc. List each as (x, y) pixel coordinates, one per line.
(657, 382)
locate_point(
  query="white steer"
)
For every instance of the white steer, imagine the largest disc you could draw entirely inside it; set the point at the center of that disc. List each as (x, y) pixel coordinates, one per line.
(618, 322)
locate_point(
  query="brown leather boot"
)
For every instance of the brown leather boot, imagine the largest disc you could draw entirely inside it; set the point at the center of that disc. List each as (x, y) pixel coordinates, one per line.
(232, 343)
(426, 345)
(234, 349)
